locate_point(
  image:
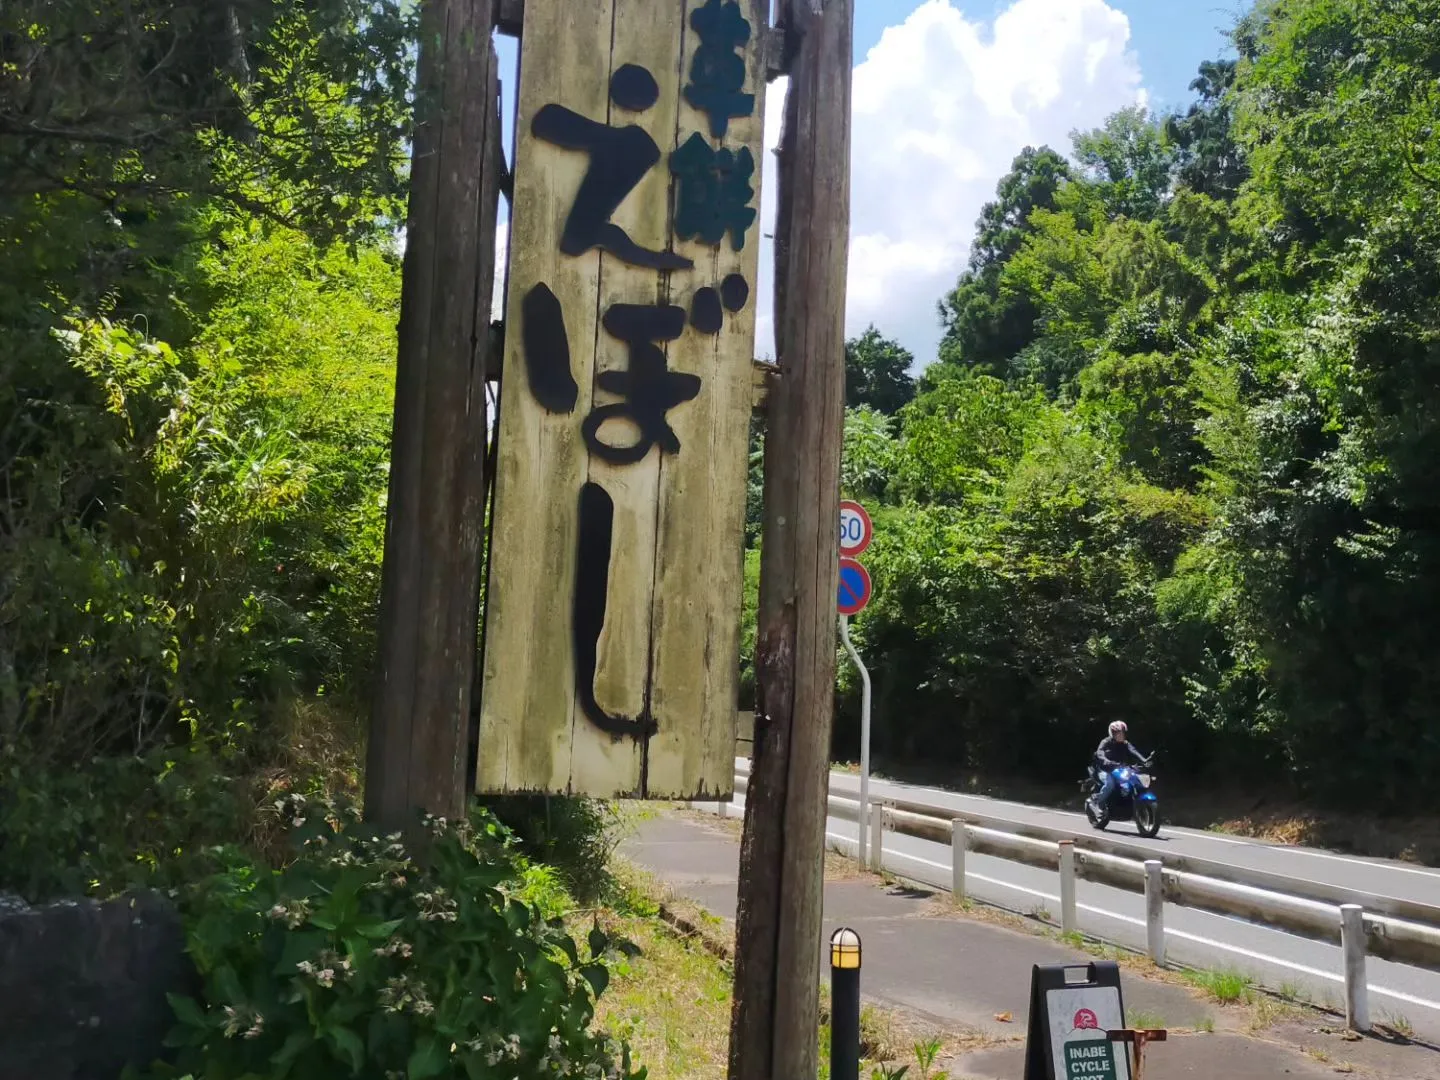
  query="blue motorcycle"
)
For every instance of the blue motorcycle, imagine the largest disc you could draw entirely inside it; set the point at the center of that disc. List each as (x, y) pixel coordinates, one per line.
(1132, 800)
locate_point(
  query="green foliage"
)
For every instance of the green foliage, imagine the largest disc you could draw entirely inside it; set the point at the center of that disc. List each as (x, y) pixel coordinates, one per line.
(574, 837)
(364, 958)
(116, 823)
(1208, 158)
(1128, 163)
(868, 453)
(1177, 459)
(877, 373)
(985, 328)
(190, 535)
(298, 113)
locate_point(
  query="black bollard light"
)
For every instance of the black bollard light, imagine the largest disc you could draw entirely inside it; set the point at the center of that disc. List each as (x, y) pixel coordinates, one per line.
(845, 1005)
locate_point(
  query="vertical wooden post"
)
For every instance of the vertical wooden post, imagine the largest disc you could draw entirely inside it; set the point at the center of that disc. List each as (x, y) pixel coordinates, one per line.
(429, 603)
(773, 1034)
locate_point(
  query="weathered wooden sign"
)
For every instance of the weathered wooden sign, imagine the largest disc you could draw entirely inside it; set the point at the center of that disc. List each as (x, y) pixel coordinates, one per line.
(613, 605)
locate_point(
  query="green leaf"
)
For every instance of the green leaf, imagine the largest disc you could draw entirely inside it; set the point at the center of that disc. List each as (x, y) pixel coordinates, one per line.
(599, 941)
(378, 930)
(349, 1045)
(294, 1045)
(598, 976)
(429, 1059)
(187, 1011)
(570, 949)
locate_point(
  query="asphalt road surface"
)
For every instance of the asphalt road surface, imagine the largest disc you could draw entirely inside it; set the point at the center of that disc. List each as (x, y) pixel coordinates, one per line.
(1281, 961)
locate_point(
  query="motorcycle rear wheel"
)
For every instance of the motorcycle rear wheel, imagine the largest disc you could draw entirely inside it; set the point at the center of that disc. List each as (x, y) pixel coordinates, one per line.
(1147, 819)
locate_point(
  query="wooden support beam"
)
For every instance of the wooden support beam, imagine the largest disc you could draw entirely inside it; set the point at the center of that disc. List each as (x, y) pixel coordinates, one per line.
(773, 1032)
(416, 759)
(762, 376)
(510, 17)
(772, 45)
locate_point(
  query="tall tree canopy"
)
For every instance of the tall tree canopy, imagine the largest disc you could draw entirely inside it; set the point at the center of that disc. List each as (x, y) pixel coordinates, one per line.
(1177, 460)
(877, 373)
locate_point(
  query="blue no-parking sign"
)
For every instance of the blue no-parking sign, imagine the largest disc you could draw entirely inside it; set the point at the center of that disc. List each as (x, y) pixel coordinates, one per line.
(855, 587)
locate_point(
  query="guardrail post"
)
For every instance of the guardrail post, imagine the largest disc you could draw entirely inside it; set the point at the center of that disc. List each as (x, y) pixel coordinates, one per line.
(1352, 944)
(877, 834)
(1155, 910)
(1067, 887)
(959, 840)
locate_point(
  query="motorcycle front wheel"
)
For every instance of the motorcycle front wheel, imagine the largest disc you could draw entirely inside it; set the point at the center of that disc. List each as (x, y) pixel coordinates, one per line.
(1097, 820)
(1147, 819)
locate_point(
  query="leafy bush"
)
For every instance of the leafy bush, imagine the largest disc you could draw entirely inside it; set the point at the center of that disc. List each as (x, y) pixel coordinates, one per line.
(116, 823)
(573, 836)
(364, 958)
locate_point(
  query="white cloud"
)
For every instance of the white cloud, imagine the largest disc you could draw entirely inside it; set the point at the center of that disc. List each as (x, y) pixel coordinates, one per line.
(942, 105)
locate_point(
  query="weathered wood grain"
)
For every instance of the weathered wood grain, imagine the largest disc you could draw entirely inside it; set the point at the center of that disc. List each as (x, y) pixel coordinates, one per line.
(670, 642)
(527, 698)
(436, 510)
(700, 570)
(773, 1033)
(647, 33)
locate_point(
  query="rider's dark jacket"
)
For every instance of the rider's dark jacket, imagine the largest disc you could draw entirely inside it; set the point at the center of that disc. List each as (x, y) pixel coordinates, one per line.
(1111, 753)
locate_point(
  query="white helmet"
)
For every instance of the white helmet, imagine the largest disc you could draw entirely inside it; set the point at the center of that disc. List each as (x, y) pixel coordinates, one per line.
(1118, 728)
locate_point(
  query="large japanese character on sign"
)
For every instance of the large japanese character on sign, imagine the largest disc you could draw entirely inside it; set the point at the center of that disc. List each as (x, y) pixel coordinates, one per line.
(712, 194)
(619, 160)
(717, 73)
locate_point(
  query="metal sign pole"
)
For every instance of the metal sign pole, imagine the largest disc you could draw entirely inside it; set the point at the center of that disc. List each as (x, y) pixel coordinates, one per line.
(864, 736)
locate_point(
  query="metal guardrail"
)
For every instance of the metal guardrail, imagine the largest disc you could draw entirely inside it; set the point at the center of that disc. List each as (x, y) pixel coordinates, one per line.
(1363, 924)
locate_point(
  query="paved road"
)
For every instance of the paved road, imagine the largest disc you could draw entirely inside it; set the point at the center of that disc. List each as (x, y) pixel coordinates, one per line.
(975, 973)
(1273, 958)
(1376, 876)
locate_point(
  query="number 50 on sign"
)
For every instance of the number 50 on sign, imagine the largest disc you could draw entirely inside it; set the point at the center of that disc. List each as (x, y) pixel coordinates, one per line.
(856, 529)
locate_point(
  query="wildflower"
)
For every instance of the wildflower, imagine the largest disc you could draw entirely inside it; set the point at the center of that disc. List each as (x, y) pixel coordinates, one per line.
(243, 1017)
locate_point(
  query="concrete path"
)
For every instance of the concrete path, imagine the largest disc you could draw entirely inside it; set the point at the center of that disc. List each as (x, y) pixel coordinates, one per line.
(974, 975)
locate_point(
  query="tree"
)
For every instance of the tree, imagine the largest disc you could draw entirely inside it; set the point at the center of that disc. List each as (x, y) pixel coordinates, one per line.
(984, 329)
(1128, 161)
(877, 373)
(1208, 159)
(299, 113)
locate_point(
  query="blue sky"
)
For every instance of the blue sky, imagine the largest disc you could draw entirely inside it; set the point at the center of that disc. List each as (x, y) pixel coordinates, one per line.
(946, 93)
(1170, 37)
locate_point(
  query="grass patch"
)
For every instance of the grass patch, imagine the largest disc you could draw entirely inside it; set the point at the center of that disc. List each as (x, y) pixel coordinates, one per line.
(1226, 987)
(671, 999)
(1143, 1021)
(1398, 1025)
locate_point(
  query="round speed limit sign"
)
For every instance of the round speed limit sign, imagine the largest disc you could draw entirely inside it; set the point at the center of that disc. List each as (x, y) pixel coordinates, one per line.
(856, 531)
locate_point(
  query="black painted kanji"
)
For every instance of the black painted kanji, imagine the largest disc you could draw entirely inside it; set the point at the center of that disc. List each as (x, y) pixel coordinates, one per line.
(735, 291)
(546, 348)
(717, 73)
(706, 314)
(587, 614)
(619, 159)
(714, 192)
(649, 388)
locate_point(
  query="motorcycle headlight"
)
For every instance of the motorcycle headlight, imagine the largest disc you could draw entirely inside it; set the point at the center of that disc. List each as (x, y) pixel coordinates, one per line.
(1144, 780)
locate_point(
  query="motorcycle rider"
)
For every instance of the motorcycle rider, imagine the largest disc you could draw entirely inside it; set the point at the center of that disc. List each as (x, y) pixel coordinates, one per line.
(1109, 756)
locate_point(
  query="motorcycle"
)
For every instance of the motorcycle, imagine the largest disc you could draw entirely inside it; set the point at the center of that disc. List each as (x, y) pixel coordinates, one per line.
(1133, 799)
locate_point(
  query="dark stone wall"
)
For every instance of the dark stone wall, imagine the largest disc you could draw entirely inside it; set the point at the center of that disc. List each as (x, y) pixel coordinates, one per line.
(83, 984)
